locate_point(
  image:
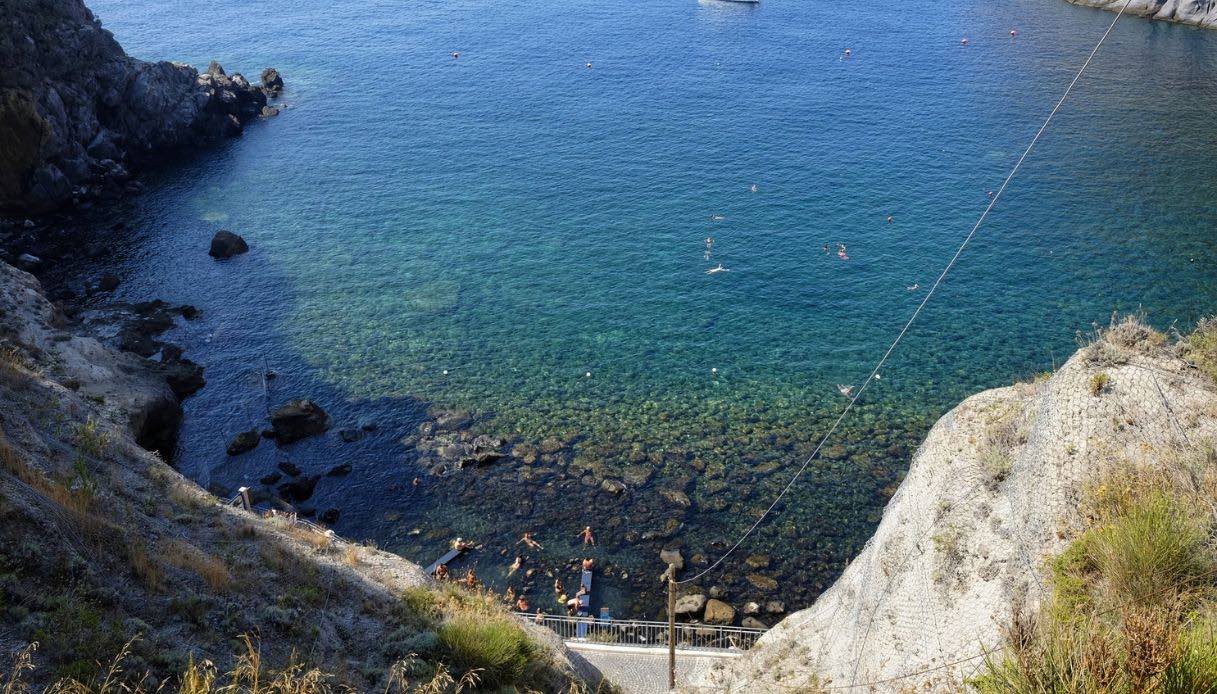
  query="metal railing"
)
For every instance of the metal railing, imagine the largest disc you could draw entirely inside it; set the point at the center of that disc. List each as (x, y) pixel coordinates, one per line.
(633, 632)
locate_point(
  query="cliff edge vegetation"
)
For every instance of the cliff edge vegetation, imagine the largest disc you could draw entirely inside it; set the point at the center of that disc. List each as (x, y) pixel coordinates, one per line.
(1054, 535)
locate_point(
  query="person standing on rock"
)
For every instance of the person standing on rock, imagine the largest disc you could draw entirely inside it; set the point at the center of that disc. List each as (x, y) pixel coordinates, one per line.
(588, 537)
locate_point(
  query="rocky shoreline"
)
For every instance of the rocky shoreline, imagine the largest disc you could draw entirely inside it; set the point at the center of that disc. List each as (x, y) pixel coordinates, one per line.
(82, 117)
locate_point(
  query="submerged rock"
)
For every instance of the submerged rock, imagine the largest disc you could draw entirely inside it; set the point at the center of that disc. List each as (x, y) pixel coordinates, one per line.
(244, 442)
(298, 419)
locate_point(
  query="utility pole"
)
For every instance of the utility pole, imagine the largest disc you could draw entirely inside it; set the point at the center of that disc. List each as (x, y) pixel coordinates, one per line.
(671, 627)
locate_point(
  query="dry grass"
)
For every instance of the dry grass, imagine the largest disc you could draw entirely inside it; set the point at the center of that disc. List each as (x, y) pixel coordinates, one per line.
(1200, 348)
(183, 555)
(1099, 383)
(1134, 597)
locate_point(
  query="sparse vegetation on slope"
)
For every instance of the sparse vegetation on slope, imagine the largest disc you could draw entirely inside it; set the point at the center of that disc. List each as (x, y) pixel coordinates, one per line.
(1134, 597)
(130, 578)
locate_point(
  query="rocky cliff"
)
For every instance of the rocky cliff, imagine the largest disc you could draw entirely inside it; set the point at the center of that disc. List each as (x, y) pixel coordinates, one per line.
(77, 114)
(992, 494)
(1199, 12)
(103, 544)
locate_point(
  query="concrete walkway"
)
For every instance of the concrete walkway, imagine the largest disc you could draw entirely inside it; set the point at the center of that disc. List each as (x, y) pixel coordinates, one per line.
(640, 670)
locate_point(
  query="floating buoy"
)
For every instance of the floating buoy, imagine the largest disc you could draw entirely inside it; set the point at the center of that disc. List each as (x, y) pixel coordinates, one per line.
(714, 369)
(964, 40)
(1013, 33)
(445, 372)
(456, 54)
(848, 52)
(589, 66)
(588, 374)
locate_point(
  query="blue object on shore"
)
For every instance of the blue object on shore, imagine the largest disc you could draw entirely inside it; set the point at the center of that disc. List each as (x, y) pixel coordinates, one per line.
(449, 556)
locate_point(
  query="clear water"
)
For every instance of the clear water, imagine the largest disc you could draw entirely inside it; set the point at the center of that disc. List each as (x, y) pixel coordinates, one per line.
(518, 221)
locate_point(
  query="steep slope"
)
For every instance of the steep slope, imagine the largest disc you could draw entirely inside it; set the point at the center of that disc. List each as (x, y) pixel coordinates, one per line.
(1199, 12)
(101, 543)
(992, 493)
(76, 113)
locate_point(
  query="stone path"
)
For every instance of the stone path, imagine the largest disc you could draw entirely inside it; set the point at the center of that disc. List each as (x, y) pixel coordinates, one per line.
(641, 670)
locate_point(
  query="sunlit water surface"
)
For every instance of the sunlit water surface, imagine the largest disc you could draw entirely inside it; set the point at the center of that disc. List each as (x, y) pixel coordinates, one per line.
(485, 232)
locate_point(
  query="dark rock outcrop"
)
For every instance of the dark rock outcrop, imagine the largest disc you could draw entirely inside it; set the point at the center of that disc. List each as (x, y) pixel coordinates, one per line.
(244, 442)
(298, 419)
(78, 114)
(226, 244)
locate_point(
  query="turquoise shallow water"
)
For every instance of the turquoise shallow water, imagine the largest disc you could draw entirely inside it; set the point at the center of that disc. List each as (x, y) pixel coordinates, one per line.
(518, 221)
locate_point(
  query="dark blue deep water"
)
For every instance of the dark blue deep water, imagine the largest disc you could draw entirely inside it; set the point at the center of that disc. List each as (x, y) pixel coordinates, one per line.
(483, 232)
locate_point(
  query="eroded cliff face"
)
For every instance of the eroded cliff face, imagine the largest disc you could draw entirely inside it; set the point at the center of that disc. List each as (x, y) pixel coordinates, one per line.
(76, 113)
(1199, 12)
(992, 494)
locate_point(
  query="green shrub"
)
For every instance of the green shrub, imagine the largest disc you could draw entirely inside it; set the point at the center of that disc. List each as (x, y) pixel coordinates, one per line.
(1099, 383)
(495, 647)
(1151, 552)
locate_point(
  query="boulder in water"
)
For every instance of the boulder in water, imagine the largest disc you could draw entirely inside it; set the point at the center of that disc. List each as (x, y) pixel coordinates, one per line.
(226, 244)
(272, 81)
(244, 442)
(298, 419)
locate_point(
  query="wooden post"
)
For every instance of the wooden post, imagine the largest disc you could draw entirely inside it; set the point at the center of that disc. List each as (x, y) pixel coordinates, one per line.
(671, 627)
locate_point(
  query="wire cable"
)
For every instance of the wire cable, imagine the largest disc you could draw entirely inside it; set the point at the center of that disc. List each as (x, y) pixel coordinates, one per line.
(917, 312)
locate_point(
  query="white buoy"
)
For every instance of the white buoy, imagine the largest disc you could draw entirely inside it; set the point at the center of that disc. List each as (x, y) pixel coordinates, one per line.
(588, 374)
(445, 372)
(714, 369)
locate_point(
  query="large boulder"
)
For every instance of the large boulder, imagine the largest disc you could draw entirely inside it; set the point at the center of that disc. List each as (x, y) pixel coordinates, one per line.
(272, 81)
(690, 605)
(244, 442)
(298, 419)
(672, 556)
(718, 612)
(226, 244)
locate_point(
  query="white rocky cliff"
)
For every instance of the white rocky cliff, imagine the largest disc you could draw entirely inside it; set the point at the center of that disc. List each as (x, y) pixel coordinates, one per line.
(990, 496)
(1199, 12)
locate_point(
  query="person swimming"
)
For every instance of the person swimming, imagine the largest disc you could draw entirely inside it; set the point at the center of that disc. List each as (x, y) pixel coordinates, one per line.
(912, 287)
(847, 391)
(716, 269)
(753, 188)
(717, 218)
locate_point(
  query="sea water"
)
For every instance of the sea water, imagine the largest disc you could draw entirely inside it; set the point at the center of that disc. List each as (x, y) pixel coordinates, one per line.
(521, 232)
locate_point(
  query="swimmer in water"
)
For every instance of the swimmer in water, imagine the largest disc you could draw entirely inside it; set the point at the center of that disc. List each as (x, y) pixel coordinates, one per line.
(515, 565)
(889, 219)
(845, 390)
(455, 55)
(589, 66)
(753, 189)
(717, 269)
(826, 249)
(716, 218)
(912, 287)
(848, 52)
